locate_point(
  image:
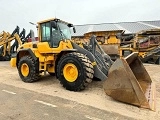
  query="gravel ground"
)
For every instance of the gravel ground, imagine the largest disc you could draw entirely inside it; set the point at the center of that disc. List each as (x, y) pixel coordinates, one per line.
(93, 95)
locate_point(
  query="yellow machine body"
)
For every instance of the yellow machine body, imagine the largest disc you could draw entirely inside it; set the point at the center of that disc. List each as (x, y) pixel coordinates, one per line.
(45, 53)
(56, 54)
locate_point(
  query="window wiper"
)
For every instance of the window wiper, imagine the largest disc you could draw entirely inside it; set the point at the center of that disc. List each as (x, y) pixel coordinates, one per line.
(62, 35)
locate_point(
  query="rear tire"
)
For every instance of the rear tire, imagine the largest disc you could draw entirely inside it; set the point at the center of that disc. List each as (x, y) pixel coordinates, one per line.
(27, 68)
(79, 76)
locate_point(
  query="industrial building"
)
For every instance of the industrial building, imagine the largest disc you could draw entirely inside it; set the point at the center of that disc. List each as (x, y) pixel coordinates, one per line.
(128, 27)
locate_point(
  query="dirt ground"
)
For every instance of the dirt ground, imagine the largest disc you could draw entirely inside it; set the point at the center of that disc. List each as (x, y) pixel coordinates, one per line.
(93, 95)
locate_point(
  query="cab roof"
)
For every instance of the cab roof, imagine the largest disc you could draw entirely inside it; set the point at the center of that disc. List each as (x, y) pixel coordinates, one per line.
(52, 19)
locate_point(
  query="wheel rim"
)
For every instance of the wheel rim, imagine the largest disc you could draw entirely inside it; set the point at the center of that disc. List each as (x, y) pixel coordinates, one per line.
(70, 72)
(25, 69)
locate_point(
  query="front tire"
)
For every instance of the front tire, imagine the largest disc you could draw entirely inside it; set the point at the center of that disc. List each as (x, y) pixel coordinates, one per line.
(27, 68)
(74, 71)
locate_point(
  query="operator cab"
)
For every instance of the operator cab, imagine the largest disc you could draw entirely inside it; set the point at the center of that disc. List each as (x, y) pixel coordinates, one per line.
(53, 31)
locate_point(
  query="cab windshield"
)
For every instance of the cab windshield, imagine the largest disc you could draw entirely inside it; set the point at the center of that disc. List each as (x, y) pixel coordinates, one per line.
(64, 30)
(54, 34)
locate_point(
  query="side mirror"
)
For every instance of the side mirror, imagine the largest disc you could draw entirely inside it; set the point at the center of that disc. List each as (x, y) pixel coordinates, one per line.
(53, 24)
(71, 25)
(74, 29)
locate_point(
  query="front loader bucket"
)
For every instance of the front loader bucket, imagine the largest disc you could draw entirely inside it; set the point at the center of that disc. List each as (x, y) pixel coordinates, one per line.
(129, 82)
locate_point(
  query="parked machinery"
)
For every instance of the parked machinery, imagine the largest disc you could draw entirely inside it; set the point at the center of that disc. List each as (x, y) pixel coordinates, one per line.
(75, 65)
(116, 44)
(147, 44)
(5, 42)
(10, 42)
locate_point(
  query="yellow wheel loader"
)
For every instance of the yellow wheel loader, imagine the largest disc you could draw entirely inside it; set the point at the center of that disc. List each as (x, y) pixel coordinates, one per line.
(76, 65)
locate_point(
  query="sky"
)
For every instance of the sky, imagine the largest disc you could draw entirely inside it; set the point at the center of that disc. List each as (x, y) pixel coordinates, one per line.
(77, 12)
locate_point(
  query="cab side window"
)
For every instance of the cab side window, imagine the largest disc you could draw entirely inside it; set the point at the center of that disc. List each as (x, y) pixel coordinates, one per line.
(46, 34)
